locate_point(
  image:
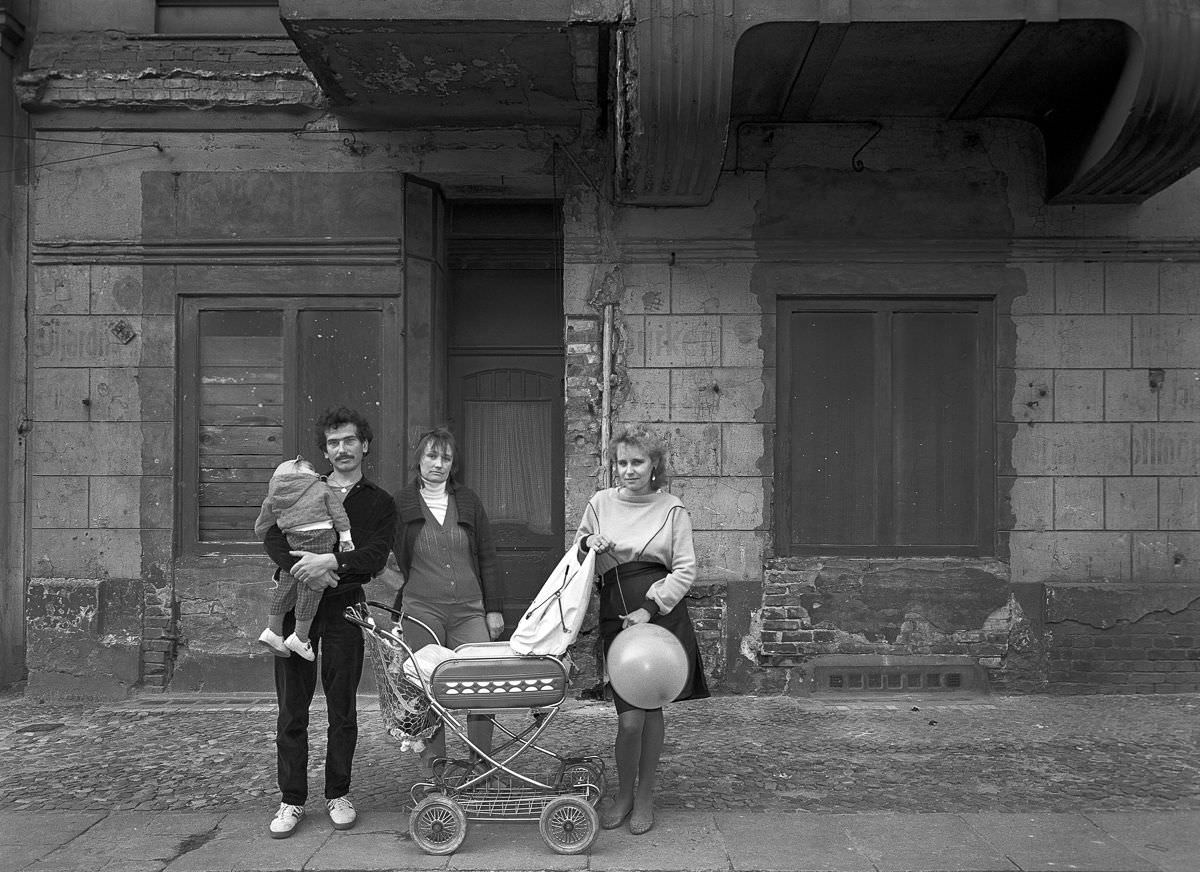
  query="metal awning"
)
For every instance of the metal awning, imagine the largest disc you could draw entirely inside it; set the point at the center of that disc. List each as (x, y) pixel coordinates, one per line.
(417, 64)
(1113, 85)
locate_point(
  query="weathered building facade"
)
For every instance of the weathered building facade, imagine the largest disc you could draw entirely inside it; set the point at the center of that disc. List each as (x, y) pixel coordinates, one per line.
(12, 276)
(912, 290)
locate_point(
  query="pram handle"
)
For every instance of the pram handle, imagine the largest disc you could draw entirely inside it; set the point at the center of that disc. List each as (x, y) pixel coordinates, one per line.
(353, 615)
(363, 618)
(360, 614)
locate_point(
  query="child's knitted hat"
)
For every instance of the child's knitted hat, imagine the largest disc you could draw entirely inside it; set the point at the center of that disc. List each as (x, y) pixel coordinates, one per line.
(296, 465)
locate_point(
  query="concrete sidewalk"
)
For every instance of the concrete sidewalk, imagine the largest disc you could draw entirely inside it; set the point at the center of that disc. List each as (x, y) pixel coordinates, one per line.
(762, 784)
(693, 841)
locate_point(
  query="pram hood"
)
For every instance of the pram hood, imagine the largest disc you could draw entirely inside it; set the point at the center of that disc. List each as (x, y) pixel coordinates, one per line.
(552, 622)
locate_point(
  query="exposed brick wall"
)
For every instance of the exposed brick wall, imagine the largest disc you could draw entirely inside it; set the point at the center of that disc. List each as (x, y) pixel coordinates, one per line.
(1124, 638)
(582, 416)
(159, 640)
(708, 606)
(812, 607)
(1159, 654)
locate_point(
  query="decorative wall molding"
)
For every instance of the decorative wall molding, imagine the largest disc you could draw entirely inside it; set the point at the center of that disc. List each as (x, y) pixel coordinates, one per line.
(265, 252)
(46, 90)
(1031, 249)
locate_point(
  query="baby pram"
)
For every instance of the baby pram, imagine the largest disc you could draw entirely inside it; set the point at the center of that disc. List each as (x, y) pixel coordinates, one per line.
(520, 780)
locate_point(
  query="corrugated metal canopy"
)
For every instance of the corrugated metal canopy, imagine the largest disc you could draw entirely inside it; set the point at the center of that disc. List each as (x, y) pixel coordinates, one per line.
(1115, 87)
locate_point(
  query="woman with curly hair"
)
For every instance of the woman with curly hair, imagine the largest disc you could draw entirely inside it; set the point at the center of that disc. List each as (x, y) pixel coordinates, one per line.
(643, 539)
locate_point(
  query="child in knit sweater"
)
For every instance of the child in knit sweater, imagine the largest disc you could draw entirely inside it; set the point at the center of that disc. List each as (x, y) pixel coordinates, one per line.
(310, 515)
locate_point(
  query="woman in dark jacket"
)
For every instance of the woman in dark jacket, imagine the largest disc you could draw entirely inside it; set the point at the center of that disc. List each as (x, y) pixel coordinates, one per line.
(444, 551)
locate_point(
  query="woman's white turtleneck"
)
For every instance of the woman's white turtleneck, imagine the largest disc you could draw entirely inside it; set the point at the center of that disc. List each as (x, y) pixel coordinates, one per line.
(436, 498)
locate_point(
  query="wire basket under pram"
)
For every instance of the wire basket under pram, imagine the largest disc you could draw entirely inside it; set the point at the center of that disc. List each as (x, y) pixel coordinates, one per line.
(404, 705)
(559, 792)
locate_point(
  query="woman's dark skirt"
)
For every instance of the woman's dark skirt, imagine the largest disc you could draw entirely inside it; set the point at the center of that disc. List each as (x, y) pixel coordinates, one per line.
(623, 590)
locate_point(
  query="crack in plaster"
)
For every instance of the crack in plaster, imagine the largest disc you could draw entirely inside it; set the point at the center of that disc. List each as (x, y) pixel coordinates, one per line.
(1166, 611)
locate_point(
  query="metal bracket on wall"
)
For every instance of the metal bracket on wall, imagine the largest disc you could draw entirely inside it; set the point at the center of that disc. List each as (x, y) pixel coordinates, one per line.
(855, 162)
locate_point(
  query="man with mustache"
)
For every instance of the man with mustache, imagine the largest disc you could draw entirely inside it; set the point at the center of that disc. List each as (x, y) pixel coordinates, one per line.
(344, 438)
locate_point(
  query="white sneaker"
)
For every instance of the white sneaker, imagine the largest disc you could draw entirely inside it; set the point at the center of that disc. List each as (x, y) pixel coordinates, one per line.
(304, 649)
(274, 642)
(342, 813)
(285, 820)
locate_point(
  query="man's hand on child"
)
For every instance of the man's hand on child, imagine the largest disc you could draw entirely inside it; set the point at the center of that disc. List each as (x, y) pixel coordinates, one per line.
(322, 582)
(315, 571)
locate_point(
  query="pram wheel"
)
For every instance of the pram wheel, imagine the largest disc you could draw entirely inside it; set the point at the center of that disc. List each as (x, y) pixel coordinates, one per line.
(569, 825)
(584, 779)
(438, 825)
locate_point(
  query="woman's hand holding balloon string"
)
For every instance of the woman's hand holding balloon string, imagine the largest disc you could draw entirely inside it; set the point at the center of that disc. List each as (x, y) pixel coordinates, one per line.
(637, 616)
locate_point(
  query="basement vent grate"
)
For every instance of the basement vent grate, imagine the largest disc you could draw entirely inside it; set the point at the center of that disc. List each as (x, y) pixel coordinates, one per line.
(893, 679)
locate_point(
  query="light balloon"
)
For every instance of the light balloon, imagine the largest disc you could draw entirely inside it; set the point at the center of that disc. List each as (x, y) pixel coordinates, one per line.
(647, 665)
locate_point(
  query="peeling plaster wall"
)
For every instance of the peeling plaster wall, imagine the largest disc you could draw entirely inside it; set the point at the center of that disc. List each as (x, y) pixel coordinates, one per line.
(84, 635)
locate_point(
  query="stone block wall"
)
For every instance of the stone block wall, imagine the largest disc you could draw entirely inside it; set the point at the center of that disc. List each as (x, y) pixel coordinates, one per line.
(1100, 454)
(688, 364)
(1102, 487)
(101, 407)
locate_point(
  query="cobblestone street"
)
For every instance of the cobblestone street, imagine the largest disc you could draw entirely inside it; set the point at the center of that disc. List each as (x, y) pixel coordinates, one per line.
(915, 754)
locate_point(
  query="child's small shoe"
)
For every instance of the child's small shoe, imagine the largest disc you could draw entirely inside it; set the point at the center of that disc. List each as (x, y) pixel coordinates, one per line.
(275, 643)
(304, 649)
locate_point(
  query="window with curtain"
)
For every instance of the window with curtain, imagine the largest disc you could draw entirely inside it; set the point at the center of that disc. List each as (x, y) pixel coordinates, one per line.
(884, 436)
(511, 469)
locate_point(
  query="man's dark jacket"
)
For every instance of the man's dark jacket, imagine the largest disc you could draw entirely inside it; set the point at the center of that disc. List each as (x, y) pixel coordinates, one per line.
(372, 513)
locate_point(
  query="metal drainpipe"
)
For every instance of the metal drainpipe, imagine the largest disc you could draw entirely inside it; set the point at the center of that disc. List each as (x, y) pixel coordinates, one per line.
(606, 396)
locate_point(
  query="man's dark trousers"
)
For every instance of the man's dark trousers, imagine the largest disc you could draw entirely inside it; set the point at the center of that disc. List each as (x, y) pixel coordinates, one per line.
(340, 644)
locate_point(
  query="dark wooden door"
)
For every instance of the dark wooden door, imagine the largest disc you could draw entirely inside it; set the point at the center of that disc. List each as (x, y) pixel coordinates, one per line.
(507, 411)
(505, 370)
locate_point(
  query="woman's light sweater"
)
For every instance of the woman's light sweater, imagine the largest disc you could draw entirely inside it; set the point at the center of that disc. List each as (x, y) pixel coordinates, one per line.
(653, 527)
(436, 498)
